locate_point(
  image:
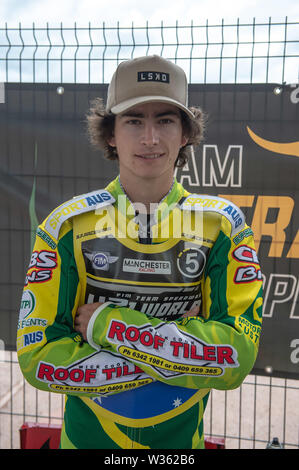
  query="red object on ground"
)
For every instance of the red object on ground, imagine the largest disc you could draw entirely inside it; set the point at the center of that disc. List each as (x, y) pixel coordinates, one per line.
(47, 436)
(40, 436)
(214, 443)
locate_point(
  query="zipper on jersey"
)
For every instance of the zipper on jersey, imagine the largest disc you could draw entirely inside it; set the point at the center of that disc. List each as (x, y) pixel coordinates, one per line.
(144, 222)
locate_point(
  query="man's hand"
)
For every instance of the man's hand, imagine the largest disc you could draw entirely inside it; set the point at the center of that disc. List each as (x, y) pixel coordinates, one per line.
(83, 316)
(192, 313)
(84, 313)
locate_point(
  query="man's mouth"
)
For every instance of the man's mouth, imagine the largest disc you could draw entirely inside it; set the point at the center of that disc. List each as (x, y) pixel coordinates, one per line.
(150, 156)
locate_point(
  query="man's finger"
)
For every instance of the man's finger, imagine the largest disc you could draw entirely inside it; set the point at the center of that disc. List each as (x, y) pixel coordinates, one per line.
(193, 312)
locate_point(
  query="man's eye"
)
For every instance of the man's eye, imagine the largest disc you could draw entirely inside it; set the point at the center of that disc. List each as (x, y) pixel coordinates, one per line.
(166, 121)
(134, 122)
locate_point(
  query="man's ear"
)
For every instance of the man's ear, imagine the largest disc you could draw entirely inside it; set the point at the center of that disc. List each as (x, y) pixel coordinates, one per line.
(111, 141)
(184, 141)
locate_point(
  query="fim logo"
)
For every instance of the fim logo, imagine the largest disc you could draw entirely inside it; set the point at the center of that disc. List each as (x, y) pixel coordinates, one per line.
(2, 351)
(101, 260)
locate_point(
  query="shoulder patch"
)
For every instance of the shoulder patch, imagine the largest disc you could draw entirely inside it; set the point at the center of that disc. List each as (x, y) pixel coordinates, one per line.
(77, 205)
(216, 204)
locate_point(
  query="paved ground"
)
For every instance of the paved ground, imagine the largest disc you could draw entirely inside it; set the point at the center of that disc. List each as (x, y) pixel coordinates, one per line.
(248, 417)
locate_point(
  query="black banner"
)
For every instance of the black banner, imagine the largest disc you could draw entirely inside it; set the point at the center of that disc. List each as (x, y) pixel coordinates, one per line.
(250, 155)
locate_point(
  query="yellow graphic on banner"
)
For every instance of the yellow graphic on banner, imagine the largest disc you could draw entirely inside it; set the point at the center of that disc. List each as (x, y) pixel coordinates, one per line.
(288, 148)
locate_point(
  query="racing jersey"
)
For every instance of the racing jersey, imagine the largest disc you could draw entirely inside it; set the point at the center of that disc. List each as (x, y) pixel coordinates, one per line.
(142, 379)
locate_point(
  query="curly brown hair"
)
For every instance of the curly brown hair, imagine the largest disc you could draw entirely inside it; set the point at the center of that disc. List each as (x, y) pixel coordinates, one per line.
(100, 128)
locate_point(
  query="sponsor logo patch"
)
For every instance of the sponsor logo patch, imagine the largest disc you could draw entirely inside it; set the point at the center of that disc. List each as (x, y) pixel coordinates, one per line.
(75, 206)
(29, 338)
(44, 236)
(164, 350)
(153, 77)
(247, 274)
(131, 265)
(244, 234)
(41, 266)
(245, 254)
(101, 260)
(191, 262)
(216, 204)
(102, 373)
(28, 303)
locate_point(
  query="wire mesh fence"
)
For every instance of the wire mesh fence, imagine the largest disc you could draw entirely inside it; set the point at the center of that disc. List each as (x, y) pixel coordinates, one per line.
(210, 53)
(263, 407)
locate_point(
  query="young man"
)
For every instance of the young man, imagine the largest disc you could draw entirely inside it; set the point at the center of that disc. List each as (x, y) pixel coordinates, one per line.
(151, 296)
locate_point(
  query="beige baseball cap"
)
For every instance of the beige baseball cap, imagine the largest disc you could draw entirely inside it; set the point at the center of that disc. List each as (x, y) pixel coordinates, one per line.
(147, 79)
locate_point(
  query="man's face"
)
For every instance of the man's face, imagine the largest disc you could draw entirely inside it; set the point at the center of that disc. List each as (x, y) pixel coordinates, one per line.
(148, 138)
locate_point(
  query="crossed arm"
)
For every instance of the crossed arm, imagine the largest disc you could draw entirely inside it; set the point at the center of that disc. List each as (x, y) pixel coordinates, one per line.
(85, 312)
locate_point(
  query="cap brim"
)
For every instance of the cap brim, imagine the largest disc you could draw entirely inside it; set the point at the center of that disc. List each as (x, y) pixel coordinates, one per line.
(128, 104)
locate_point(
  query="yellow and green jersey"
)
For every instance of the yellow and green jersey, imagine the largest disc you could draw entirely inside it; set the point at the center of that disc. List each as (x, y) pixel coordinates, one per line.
(143, 378)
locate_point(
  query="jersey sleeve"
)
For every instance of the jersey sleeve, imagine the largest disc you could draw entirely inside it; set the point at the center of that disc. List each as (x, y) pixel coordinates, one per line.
(215, 350)
(51, 354)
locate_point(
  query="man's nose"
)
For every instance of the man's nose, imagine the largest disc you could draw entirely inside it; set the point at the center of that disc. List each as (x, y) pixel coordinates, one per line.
(150, 135)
